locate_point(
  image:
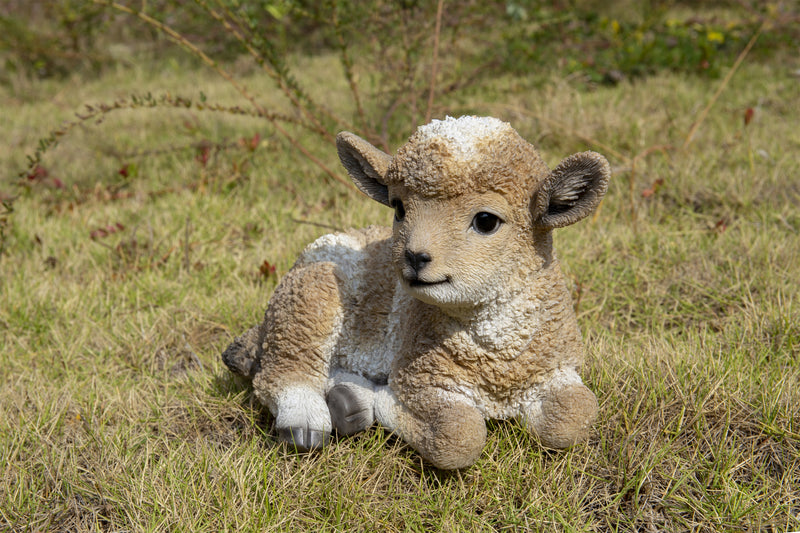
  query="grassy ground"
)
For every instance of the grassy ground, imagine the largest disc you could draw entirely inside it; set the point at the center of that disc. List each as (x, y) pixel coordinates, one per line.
(118, 295)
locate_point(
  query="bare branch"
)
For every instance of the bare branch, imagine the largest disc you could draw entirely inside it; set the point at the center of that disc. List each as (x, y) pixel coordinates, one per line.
(434, 65)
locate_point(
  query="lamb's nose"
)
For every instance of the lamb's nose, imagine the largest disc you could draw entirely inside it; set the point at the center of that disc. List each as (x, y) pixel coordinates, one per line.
(417, 261)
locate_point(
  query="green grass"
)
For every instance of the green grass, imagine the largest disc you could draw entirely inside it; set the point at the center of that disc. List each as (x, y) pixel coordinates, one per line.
(116, 412)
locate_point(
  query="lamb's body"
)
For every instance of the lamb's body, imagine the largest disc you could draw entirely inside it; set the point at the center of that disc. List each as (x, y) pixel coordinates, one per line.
(433, 328)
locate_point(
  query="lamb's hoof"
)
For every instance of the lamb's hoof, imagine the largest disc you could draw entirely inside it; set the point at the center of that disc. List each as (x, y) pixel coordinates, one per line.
(238, 360)
(241, 357)
(348, 412)
(304, 439)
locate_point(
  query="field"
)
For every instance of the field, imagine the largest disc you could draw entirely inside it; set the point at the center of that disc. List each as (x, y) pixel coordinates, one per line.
(143, 244)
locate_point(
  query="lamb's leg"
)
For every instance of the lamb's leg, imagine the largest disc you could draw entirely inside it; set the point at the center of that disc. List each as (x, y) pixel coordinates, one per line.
(243, 355)
(447, 431)
(564, 414)
(350, 400)
(301, 418)
(300, 329)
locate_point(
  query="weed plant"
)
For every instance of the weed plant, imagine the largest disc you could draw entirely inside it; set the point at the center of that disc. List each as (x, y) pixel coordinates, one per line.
(134, 249)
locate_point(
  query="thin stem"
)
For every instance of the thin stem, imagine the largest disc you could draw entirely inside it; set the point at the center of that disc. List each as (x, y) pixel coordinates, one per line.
(435, 63)
(723, 85)
(181, 40)
(347, 64)
(291, 91)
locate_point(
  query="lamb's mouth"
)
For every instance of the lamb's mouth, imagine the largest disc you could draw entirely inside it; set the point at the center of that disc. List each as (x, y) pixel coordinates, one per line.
(418, 283)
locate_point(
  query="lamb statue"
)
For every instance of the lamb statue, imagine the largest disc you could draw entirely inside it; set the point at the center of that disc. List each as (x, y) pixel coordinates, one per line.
(456, 315)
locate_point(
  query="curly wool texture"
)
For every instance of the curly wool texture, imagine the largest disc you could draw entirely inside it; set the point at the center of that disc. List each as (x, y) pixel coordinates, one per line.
(438, 324)
(452, 157)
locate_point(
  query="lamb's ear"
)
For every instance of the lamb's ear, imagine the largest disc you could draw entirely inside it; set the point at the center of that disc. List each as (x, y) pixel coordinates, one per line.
(366, 165)
(572, 190)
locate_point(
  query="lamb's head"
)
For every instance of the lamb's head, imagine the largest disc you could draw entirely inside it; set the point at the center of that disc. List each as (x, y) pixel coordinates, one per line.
(474, 205)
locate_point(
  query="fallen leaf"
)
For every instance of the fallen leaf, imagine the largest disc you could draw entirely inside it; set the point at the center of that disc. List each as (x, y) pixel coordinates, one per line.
(267, 269)
(748, 115)
(650, 191)
(38, 173)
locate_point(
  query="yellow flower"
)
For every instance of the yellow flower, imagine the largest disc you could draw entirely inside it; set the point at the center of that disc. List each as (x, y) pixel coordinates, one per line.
(715, 37)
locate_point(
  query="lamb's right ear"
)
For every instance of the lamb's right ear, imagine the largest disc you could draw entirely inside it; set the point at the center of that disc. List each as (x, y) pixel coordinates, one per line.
(366, 165)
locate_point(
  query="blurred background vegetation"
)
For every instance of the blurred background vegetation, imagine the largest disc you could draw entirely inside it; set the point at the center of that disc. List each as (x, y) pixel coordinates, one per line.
(404, 61)
(604, 41)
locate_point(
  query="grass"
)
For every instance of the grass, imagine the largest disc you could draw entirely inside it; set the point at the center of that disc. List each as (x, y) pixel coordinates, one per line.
(116, 412)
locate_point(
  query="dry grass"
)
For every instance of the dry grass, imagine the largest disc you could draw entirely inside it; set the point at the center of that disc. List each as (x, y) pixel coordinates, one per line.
(116, 413)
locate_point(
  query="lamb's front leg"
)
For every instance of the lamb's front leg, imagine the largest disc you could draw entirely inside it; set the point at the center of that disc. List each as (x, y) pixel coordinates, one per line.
(350, 400)
(564, 413)
(445, 429)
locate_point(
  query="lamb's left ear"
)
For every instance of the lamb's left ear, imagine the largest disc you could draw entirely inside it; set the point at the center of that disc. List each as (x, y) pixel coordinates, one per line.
(572, 190)
(366, 165)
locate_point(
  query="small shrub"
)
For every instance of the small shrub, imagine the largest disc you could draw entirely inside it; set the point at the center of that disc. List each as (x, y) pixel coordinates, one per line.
(44, 39)
(603, 49)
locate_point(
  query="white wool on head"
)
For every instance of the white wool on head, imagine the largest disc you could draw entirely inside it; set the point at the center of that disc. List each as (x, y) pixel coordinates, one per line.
(463, 133)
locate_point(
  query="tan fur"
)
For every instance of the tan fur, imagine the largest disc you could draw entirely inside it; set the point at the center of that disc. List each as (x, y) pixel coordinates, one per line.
(439, 325)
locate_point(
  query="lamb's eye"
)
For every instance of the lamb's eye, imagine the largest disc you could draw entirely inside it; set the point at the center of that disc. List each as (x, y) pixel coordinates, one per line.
(399, 210)
(486, 223)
